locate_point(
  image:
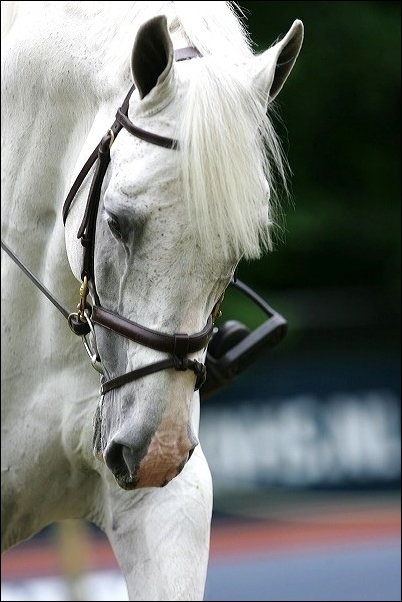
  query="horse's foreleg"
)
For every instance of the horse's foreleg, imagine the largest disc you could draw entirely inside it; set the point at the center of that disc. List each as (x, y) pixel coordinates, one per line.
(161, 536)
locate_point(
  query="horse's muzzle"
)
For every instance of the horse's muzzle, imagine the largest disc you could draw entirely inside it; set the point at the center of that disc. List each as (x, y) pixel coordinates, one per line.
(134, 470)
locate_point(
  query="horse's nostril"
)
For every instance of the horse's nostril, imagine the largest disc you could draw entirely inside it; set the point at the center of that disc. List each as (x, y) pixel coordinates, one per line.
(119, 459)
(130, 458)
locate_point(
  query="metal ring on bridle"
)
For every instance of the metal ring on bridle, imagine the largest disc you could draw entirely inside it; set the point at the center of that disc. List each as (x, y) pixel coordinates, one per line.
(93, 353)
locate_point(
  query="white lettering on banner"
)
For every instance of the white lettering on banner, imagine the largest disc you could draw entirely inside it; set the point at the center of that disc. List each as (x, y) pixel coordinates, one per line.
(304, 441)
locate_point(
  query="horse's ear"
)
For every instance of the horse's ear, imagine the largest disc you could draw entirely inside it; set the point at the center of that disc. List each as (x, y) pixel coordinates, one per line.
(272, 67)
(152, 55)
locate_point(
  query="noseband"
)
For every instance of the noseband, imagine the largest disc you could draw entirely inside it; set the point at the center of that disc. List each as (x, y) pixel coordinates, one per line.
(178, 345)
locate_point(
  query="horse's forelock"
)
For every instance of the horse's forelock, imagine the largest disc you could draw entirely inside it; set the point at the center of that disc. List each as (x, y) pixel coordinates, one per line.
(230, 154)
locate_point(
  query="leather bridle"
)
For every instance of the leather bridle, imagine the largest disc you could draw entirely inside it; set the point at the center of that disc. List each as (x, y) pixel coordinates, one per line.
(178, 345)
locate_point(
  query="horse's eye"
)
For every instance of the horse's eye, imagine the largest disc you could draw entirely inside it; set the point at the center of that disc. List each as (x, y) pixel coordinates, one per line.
(114, 226)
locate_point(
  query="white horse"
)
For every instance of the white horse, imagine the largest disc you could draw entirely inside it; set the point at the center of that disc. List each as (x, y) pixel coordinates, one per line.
(167, 226)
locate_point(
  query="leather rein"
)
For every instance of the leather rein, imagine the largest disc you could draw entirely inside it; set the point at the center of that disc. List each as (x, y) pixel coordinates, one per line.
(178, 345)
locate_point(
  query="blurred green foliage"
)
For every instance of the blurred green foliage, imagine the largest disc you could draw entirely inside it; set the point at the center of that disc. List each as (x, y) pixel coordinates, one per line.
(339, 122)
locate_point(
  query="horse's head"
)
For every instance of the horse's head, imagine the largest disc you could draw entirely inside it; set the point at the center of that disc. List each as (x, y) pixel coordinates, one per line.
(173, 222)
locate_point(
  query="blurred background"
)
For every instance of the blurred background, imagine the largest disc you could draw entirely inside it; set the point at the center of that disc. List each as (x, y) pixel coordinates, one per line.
(323, 408)
(304, 445)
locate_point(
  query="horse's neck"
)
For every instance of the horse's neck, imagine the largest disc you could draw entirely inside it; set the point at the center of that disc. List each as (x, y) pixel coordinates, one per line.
(48, 103)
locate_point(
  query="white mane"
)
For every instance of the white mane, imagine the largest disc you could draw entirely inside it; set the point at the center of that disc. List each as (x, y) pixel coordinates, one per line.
(230, 152)
(229, 156)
